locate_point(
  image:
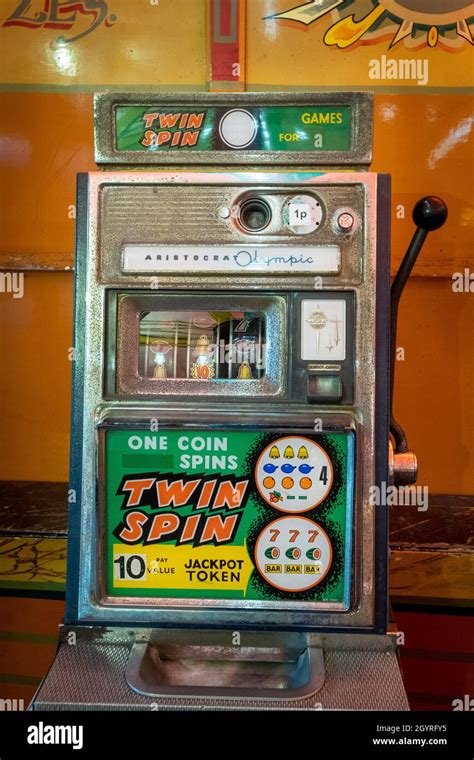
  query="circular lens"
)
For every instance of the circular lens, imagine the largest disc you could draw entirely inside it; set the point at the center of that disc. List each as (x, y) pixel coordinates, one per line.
(255, 214)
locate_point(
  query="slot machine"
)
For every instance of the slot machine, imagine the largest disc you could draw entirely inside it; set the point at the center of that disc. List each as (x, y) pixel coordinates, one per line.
(231, 409)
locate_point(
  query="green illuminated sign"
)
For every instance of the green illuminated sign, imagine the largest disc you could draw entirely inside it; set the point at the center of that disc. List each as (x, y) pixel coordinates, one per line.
(253, 128)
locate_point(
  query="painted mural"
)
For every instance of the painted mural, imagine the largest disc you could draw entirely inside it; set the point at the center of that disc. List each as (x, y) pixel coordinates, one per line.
(415, 22)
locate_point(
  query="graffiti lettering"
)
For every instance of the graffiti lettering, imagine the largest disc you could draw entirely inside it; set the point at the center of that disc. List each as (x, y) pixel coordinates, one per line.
(61, 15)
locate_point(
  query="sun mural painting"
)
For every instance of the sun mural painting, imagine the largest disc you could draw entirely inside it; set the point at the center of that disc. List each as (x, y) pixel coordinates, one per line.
(419, 23)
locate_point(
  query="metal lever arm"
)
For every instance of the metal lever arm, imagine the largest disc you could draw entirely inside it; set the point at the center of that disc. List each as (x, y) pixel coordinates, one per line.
(429, 214)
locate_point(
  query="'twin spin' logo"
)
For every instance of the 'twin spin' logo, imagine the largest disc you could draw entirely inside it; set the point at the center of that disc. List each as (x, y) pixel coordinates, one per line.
(206, 496)
(61, 15)
(174, 130)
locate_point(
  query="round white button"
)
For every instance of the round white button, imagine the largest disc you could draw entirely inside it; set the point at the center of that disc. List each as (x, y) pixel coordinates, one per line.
(238, 128)
(345, 221)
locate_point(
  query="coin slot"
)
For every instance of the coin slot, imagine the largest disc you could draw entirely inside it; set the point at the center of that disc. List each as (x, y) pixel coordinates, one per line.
(255, 214)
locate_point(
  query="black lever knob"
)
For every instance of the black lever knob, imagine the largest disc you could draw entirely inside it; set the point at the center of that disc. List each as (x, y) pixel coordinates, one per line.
(430, 213)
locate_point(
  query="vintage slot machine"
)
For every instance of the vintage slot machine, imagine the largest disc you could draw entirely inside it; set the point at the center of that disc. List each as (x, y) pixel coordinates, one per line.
(231, 409)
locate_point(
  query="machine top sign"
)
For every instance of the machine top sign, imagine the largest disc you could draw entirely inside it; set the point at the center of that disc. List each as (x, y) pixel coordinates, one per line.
(316, 128)
(255, 128)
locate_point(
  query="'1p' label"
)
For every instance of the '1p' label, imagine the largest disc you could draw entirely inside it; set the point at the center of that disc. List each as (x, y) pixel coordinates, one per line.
(299, 214)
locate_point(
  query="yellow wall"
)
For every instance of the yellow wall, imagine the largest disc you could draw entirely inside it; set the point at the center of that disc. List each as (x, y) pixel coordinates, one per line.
(35, 381)
(423, 137)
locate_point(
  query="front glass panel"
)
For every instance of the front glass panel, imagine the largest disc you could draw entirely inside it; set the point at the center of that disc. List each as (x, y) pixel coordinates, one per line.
(248, 515)
(198, 344)
(202, 345)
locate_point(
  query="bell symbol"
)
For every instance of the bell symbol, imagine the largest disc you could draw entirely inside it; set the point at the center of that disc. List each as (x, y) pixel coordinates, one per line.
(245, 373)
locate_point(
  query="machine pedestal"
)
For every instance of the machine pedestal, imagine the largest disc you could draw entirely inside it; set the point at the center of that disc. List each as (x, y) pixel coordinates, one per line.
(142, 669)
(214, 671)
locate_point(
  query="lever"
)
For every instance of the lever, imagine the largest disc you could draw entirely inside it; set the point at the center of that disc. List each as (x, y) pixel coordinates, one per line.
(429, 214)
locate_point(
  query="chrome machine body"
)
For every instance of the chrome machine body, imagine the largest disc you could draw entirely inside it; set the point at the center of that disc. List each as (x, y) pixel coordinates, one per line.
(231, 410)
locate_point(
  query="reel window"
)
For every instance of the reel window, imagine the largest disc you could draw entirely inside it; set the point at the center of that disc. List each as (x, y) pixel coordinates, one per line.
(192, 345)
(202, 345)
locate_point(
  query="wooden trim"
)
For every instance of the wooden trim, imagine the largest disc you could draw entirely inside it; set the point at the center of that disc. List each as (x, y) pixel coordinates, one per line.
(39, 262)
(435, 578)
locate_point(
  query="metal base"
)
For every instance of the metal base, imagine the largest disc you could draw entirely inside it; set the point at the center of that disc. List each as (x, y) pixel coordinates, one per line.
(214, 671)
(120, 669)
